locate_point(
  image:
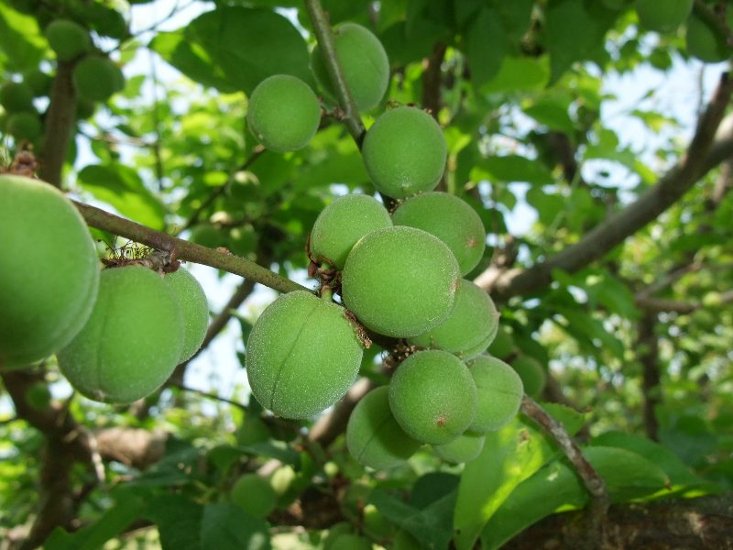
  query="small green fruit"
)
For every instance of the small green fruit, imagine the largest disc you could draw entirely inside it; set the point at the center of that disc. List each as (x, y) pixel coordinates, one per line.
(342, 223)
(400, 281)
(704, 43)
(470, 326)
(132, 341)
(38, 396)
(194, 308)
(500, 392)
(663, 16)
(364, 63)
(373, 436)
(25, 125)
(433, 396)
(405, 152)
(16, 97)
(464, 448)
(97, 78)
(49, 271)
(38, 81)
(503, 344)
(450, 219)
(254, 495)
(84, 108)
(532, 374)
(302, 355)
(68, 39)
(283, 113)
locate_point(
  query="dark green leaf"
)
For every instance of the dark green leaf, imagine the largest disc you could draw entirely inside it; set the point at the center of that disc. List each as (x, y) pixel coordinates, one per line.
(228, 527)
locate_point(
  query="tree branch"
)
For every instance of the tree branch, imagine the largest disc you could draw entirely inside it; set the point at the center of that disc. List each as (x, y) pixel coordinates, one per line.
(185, 250)
(322, 29)
(706, 150)
(328, 427)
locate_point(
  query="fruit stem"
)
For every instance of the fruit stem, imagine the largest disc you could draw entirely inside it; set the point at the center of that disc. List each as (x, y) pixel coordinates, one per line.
(326, 292)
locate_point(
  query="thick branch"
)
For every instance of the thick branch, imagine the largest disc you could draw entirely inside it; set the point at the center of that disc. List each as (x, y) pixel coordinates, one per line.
(705, 151)
(185, 250)
(648, 354)
(322, 29)
(59, 124)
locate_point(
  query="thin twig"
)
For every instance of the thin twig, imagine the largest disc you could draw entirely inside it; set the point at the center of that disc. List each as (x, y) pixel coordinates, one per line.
(208, 395)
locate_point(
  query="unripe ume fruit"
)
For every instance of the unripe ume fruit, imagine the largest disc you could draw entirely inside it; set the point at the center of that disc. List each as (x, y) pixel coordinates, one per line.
(449, 218)
(194, 308)
(363, 61)
(400, 281)
(16, 97)
(433, 396)
(500, 392)
(342, 223)
(465, 448)
(663, 16)
(470, 326)
(503, 344)
(254, 494)
(404, 152)
(68, 39)
(373, 436)
(283, 113)
(49, 271)
(96, 78)
(532, 374)
(25, 125)
(132, 341)
(303, 354)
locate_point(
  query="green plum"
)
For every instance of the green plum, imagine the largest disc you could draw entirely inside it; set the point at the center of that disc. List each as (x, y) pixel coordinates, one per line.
(254, 494)
(465, 448)
(97, 78)
(68, 39)
(500, 392)
(194, 308)
(532, 374)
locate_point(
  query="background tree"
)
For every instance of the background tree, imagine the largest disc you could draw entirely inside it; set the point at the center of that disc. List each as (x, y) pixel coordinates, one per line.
(616, 280)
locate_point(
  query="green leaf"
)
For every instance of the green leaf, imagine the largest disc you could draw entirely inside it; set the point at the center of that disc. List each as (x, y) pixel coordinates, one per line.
(250, 44)
(121, 188)
(548, 205)
(127, 507)
(590, 331)
(519, 74)
(575, 31)
(628, 475)
(20, 39)
(570, 419)
(552, 110)
(515, 168)
(226, 526)
(486, 45)
(510, 456)
(179, 521)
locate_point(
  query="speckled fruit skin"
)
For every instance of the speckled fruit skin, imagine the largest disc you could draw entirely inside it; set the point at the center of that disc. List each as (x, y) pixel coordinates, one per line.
(464, 448)
(97, 78)
(283, 113)
(49, 271)
(194, 308)
(469, 328)
(254, 494)
(704, 43)
(532, 374)
(449, 218)
(363, 61)
(132, 341)
(404, 152)
(68, 39)
(342, 223)
(663, 15)
(500, 392)
(400, 281)
(373, 436)
(302, 355)
(433, 396)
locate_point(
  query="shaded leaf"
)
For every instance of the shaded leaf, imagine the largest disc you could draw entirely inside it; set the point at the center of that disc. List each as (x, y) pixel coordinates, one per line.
(226, 526)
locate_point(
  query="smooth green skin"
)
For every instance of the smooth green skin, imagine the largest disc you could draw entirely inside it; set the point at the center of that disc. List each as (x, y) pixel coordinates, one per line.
(433, 397)
(470, 326)
(663, 15)
(349, 541)
(49, 271)
(342, 223)
(400, 281)
(131, 343)
(704, 43)
(16, 97)
(503, 344)
(500, 392)
(254, 495)
(97, 78)
(373, 436)
(464, 448)
(85, 108)
(303, 354)
(405, 541)
(363, 61)
(24, 125)
(404, 152)
(194, 307)
(283, 113)
(532, 374)
(38, 81)
(68, 39)
(449, 218)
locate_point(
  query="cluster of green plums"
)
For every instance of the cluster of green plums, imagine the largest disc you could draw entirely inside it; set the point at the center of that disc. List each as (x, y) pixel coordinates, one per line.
(95, 78)
(117, 333)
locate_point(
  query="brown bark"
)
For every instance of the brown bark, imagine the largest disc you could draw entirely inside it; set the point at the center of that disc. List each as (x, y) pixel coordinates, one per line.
(651, 380)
